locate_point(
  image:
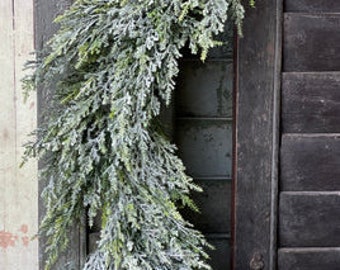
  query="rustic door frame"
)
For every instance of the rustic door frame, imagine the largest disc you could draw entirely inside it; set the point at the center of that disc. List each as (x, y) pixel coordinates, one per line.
(256, 137)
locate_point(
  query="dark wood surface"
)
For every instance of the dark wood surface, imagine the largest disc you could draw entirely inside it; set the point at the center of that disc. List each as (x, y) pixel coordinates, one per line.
(205, 90)
(45, 12)
(220, 256)
(214, 204)
(205, 146)
(311, 102)
(309, 205)
(309, 219)
(310, 162)
(311, 42)
(312, 5)
(258, 61)
(309, 259)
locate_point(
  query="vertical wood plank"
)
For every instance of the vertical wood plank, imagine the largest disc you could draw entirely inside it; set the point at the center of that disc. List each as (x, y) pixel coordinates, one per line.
(18, 220)
(256, 138)
(45, 12)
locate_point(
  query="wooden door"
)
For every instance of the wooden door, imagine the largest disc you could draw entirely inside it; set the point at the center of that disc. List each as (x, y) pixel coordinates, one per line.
(309, 207)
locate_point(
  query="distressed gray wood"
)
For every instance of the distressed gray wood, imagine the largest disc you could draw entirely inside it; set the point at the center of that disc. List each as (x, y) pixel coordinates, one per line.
(257, 114)
(311, 102)
(312, 6)
(309, 222)
(214, 204)
(309, 219)
(205, 146)
(311, 42)
(205, 89)
(309, 258)
(310, 162)
(45, 12)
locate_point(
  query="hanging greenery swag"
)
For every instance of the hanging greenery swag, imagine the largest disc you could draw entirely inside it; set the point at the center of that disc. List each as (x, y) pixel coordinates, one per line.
(111, 65)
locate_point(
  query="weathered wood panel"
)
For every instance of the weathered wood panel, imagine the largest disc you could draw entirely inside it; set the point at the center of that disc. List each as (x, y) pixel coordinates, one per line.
(312, 6)
(45, 12)
(220, 258)
(309, 219)
(310, 162)
(311, 42)
(309, 222)
(257, 114)
(214, 204)
(311, 102)
(19, 187)
(309, 258)
(204, 89)
(205, 146)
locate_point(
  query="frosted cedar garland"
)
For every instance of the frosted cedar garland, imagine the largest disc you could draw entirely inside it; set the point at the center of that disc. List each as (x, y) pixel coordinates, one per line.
(112, 64)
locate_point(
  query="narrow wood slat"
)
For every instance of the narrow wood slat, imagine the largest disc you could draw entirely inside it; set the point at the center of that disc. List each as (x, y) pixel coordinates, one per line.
(309, 258)
(220, 256)
(259, 62)
(205, 89)
(214, 204)
(311, 102)
(311, 42)
(310, 162)
(45, 12)
(309, 219)
(205, 147)
(312, 5)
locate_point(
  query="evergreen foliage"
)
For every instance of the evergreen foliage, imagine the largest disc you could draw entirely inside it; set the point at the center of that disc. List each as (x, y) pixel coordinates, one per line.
(112, 64)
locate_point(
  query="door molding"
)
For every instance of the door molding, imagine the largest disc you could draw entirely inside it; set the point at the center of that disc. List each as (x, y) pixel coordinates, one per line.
(256, 137)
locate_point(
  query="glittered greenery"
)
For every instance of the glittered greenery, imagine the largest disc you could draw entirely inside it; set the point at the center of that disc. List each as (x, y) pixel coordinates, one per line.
(112, 65)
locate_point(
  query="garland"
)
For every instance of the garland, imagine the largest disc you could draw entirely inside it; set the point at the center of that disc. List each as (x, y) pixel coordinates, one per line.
(112, 64)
